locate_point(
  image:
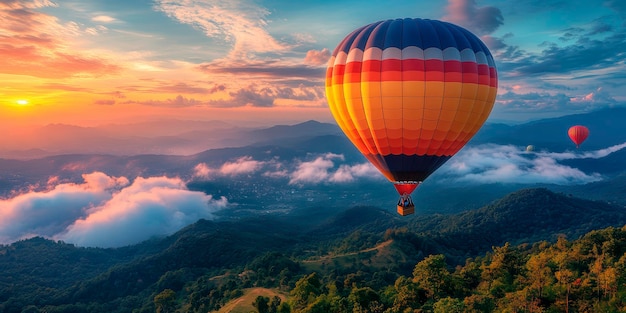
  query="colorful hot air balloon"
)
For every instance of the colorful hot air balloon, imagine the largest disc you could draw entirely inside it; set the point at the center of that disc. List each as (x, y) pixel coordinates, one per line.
(409, 94)
(578, 134)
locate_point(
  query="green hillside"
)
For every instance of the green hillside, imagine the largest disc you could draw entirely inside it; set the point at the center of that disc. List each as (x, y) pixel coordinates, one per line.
(359, 255)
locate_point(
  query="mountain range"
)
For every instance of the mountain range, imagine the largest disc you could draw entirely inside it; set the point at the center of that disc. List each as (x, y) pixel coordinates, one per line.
(117, 277)
(330, 227)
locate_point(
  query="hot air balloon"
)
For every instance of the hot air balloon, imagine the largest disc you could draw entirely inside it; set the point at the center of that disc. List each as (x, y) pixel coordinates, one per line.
(578, 134)
(409, 94)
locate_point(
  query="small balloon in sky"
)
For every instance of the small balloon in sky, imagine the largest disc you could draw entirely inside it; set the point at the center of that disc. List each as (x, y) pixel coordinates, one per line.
(578, 134)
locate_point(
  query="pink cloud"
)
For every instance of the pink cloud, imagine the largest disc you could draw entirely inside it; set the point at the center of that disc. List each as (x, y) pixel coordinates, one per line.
(202, 171)
(314, 57)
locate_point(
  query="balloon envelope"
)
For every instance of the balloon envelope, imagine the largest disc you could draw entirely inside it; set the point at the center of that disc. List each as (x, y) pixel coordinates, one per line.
(410, 93)
(578, 134)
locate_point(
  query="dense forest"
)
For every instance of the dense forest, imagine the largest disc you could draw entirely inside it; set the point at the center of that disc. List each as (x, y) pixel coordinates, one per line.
(487, 260)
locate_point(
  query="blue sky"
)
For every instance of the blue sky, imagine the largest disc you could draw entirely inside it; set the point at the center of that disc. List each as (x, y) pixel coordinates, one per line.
(244, 59)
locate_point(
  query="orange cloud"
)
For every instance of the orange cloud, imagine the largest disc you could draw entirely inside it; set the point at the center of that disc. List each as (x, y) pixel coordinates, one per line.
(35, 44)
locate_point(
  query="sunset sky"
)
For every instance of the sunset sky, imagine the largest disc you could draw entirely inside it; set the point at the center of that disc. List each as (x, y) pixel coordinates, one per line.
(88, 62)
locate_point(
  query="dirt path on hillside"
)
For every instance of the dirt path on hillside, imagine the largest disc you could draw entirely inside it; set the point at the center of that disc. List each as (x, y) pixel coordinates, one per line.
(330, 257)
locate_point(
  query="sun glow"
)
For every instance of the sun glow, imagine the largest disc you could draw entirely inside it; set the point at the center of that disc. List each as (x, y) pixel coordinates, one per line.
(22, 102)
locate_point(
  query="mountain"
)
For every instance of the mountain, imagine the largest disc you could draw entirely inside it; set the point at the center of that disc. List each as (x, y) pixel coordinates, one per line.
(524, 216)
(173, 137)
(605, 129)
(215, 248)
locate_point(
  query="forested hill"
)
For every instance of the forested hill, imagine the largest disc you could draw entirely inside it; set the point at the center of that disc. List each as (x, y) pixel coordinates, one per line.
(210, 262)
(525, 216)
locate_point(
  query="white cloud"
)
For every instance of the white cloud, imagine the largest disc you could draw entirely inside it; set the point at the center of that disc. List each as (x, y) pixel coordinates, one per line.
(243, 165)
(47, 213)
(240, 22)
(511, 164)
(322, 170)
(348, 173)
(313, 171)
(149, 207)
(105, 211)
(597, 154)
(326, 168)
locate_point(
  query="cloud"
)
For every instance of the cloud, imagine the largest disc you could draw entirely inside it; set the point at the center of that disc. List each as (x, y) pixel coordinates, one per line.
(542, 102)
(322, 170)
(104, 102)
(265, 69)
(314, 171)
(178, 102)
(149, 207)
(187, 88)
(240, 22)
(105, 211)
(103, 19)
(248, 96)
(47, 213)
(348, 173)
(511, 164)
(597, 96)
(36, 44)
(597, 154)
(20, 4)
(326, 168)
(480, 20)
(314, 57)
(202, 171)
(243, 165)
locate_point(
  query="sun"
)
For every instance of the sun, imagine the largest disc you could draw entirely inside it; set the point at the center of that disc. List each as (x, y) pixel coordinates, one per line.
(22, 102)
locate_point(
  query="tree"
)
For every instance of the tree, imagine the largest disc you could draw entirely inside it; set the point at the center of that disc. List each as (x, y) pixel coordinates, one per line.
(165, 301)
(261, 304)
(539, 273)
(363, 298)
(274, 304)
(408, 295)
(449, 305)
(307, 289)
(432, 275)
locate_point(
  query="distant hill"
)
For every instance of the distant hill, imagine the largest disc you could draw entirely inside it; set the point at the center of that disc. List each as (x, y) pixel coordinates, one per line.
(524, 216)
(606, 128)
(172, 137)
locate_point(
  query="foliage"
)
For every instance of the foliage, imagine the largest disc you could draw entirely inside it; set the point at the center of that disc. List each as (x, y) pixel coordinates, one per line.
(377, 266)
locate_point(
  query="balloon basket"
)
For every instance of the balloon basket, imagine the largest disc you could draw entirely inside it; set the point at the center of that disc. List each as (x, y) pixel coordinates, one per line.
(406, 210)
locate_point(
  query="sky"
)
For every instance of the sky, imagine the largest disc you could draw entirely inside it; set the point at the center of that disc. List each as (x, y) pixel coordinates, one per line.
(95, 62)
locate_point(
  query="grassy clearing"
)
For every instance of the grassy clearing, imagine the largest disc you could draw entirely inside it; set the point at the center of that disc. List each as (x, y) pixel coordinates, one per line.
(243, 304)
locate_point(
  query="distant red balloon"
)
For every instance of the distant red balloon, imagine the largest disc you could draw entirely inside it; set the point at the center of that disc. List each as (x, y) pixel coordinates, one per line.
(578, 134)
